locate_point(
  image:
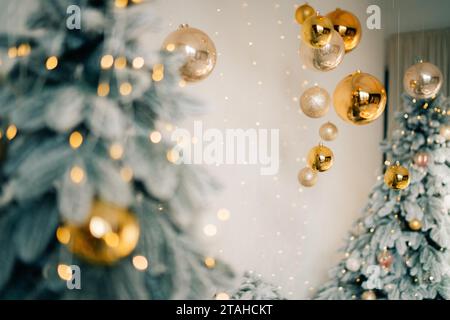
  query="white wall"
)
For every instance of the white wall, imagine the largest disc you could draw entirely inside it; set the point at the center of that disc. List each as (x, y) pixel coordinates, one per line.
(288, 234)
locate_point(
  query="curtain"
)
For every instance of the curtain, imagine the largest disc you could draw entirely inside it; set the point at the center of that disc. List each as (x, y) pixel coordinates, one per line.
(404, 50)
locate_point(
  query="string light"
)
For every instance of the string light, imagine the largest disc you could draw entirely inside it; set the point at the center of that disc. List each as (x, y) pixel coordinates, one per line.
(107, 61)
(158, 72)
(120, 63)
(63, 235)
(116, 151)
(222, 296)
(223, 214)
(210, 262)
(125, 89)
(140, 263)
(121, 3)
(138, 62)
(23, 50)
(11, 132)
(173, 156)
(126, 173)
(75, 140)
(210, 230)
(51, 63)
(12, 52)
(77, 174)
(155, 137)
(103, 89)
(64, 272)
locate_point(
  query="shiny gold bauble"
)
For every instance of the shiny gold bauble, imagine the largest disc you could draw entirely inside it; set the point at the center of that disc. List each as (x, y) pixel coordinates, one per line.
(320, 158)
(348, 26)
(423, 80)
(415, 225)
(307, 177)
(397, 177)
(369, 295)
(315, 102)
(316, 31)
(359, 98)
(197, 49)
(328, 131)
(444, 131)
(304, 12)
(109, 234)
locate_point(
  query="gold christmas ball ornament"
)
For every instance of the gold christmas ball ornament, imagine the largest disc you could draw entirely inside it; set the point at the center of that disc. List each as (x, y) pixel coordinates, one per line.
(315, 102)
(423, 80)
(307, 177)
(415, 225)
(109, 234)
(369, 295)
(320, 158)
(421, 159)
(444, 131)
(348, 27)
(304, 12)
(198, 50)
(317, 31)
(397, 177)
(328, 131)
(359, 98)
(326, 58)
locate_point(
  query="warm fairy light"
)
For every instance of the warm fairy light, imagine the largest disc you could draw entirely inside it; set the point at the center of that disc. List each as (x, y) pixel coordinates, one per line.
(116, 151)
(210, 262)
(170, 47)
(12, 52)
(103, 89)
(222, 296)
(23, 50)
(120, 63)
(158, 72)
(155, 137)
(77, 174)
(125, 88)
(121, 3)
(182, 83)
(98, 227)
(136, 1)
(140, 262)
(64, 272)
(126, 173)
(173, 156)
(63, 235)
(107, 61)
(223, 214)
(75, 140)
(11, 132)
(112, 239)
(51, 63)
(210, 230)
(138, 62)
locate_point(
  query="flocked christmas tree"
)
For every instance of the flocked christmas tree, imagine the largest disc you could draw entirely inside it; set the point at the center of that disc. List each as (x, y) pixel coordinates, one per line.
(88, 174)
(399, 248)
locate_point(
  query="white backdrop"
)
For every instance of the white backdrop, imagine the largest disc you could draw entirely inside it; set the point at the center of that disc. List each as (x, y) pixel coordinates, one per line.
(288, 234)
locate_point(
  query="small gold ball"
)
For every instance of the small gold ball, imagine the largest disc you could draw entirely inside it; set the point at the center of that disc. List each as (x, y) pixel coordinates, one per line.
(415, 225)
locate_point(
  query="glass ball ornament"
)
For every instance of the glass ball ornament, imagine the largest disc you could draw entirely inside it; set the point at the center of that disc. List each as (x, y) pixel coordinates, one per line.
(359, 98)
(385, 259)
(368, 295)
(317, 31)
(303, 12)
(352, 264)
(326, 58)
(328, 131)
(348, 27)
(196, 48)
(109, 234)
(315, 102)
(397, 177)
(421, 159)
(444, 131)
(307, 177)
(320, 158)
(422, 80)
(415, 224)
